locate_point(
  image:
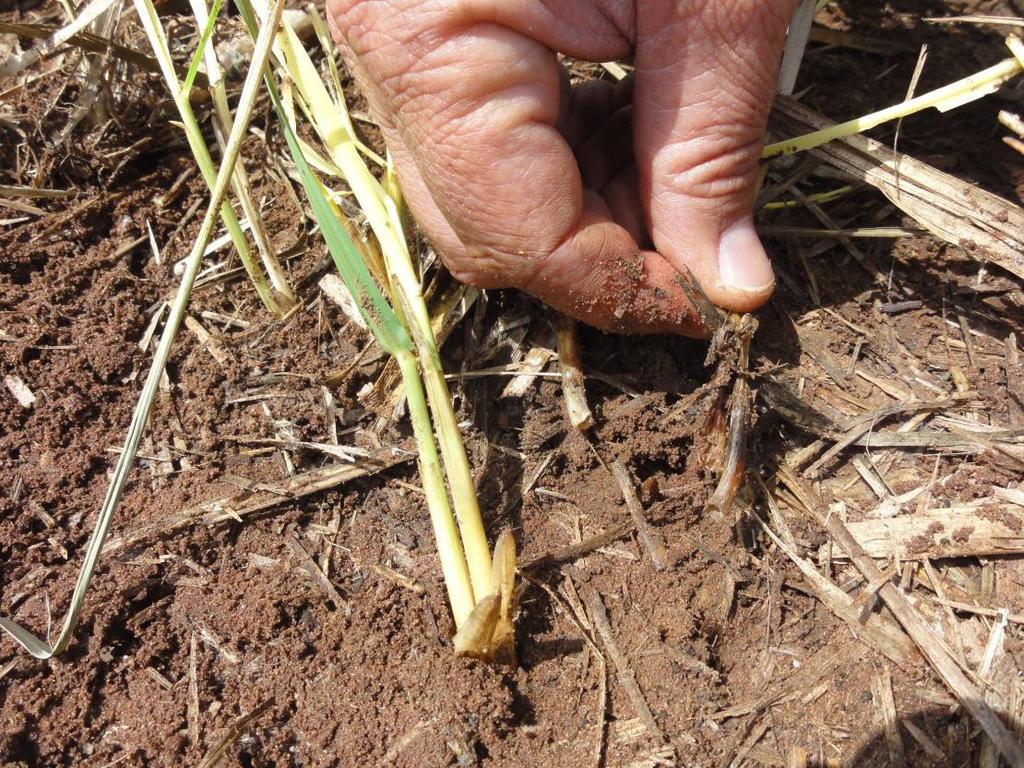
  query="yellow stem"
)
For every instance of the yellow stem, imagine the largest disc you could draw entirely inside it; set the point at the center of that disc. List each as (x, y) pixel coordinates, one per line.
(974, 86)
(449, 547)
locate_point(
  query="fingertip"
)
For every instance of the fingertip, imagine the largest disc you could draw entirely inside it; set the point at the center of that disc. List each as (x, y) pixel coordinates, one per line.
(666, 307)
(745, 278)
(600, 277)
(730, 264)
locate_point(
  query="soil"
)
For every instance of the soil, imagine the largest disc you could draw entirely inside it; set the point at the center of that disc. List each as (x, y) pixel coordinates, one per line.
(215, 637)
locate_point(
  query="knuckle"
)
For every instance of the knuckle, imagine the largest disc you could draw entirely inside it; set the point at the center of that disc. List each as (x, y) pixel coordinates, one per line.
(719, 164)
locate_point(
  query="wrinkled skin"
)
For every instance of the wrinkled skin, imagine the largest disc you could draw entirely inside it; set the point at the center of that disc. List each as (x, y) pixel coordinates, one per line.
(593, 198)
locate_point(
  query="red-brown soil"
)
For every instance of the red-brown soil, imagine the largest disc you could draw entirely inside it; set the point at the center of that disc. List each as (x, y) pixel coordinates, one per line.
(726, 644)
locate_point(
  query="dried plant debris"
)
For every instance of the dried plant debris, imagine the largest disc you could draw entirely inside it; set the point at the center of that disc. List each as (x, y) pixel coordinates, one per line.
(732, 462)
(957, 212)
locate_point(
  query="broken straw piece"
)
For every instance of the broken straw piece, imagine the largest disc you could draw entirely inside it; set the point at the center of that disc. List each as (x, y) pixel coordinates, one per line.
(20, 390)
(334, 289)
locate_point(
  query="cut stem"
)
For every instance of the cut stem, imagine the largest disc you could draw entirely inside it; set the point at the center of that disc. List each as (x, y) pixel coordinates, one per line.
(570, 362)
(453, 452)
(462, 542)
(385, 221)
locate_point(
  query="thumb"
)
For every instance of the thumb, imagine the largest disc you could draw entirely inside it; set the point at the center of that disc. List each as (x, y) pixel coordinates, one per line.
(706, 73)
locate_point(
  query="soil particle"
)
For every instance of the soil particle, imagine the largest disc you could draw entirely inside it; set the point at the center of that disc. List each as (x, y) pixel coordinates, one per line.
(999, 515)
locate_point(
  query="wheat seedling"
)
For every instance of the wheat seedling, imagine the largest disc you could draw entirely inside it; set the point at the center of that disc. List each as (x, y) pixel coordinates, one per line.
(479, 586)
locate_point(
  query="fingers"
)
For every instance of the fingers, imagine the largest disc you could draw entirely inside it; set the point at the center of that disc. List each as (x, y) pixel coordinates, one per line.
(470, 108)
(598, 275)
(705, 78)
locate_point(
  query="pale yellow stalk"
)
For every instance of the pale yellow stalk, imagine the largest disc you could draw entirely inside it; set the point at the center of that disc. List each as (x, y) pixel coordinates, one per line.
(948, 97)
(453, 561)
(240, 179)
(328, 118)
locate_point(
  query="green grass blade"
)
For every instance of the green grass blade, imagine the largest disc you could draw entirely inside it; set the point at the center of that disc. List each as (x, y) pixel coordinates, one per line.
(193, 67)
(379, 315)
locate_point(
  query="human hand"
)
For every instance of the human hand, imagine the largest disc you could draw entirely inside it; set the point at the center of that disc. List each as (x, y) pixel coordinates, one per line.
(594, 198)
